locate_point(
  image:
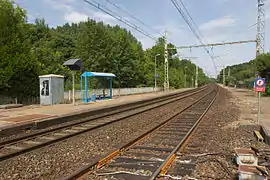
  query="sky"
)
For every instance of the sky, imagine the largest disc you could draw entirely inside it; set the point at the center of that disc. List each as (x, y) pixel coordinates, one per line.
(216, 20)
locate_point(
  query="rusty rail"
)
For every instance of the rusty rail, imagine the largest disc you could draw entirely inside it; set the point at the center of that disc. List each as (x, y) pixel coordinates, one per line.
(168, 161)
(44, 133)
(105, 159)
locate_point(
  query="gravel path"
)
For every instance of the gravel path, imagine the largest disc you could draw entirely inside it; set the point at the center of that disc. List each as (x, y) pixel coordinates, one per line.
(65, 157)
(217, 136)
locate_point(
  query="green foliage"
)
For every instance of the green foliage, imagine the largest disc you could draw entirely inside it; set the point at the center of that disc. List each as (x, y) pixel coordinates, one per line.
(181, 72)
(29, 50)
(243, 75)
(267, 91)
(18, 66)
(262, 62)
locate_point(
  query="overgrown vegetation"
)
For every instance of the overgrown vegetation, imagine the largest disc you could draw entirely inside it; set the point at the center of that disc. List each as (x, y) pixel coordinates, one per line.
(29, 50)
(243, 75)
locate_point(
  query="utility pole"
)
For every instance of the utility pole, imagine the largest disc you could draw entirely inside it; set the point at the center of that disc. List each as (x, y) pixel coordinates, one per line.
(223, 75)
(166, 65)
(260, 39)
(196, 79)
(185, 76)
(156, 71)
(260, 28)
(73, 88)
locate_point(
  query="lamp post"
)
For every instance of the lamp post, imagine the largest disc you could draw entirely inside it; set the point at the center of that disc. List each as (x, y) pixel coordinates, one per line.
(74, 65)
(156, 71)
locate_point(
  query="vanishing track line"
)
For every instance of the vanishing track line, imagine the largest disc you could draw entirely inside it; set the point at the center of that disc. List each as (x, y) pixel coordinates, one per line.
(17, 146)
(152, 153)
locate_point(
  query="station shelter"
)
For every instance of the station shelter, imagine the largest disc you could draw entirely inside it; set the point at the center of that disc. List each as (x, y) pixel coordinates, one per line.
(104, 77)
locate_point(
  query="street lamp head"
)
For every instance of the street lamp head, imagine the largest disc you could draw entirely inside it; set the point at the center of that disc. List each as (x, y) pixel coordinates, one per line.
(157, 54)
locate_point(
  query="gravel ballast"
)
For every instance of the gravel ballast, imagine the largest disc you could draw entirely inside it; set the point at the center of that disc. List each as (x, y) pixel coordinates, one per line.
(211, 148)
(63, 158)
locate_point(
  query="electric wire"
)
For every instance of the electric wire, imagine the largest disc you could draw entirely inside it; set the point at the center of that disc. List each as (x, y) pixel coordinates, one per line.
(129, 14)
(241, 32)
(114, 15)
(136, 19)
(192, 20)
(229, 49)
(126, 22)
(193, 31)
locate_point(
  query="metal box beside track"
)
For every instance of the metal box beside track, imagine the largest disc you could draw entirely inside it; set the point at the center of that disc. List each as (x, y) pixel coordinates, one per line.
(51, 89)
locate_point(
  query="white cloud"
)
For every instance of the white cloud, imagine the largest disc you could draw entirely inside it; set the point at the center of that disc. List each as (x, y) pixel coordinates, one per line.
(71, 14)
(61, 5)
(217, 30)
(182, 36)
(75, 17)
(225, 21)
(100, 16)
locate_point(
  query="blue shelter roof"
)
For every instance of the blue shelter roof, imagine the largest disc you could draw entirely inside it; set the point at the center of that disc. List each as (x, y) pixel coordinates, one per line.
(97, 74)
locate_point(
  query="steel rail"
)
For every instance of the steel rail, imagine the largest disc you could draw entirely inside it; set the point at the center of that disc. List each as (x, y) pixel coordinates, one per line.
(83, 120)
(58, 139)
(168, 161)
(98, 163)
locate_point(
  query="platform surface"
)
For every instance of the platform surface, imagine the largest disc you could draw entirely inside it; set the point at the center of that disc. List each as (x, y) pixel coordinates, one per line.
(10, 106)
(248, 99)
(34, 113)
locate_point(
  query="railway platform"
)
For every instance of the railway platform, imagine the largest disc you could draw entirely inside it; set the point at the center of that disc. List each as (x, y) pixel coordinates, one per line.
(12, 120)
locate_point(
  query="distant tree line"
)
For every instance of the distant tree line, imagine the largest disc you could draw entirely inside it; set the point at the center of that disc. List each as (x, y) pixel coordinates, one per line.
(29, 50)
(243, 75)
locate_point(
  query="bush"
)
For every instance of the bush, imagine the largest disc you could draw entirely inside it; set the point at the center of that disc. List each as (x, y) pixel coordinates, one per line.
(267, 91)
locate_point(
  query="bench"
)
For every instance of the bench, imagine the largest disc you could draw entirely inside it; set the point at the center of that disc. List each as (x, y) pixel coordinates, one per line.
(100, 96)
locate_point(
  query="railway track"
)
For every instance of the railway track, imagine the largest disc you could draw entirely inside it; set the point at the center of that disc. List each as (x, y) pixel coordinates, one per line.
(152, 153)
(29, 142)
(105, 112)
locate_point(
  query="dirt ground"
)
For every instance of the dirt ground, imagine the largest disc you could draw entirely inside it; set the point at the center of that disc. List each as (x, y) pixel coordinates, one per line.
(229, 124)
(247, 101)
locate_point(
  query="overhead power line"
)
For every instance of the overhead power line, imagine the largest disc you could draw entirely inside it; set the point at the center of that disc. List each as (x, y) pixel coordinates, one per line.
(241, 32)
(129, 14)
(119, 18)
(228, 49)
(136, 19)
(192, 29)
(214, 44)
(189, 15)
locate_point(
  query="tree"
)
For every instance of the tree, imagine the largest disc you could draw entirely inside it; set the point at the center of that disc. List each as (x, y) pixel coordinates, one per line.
(18, 67)
(262, 62)
(29, 50)
(244, 74)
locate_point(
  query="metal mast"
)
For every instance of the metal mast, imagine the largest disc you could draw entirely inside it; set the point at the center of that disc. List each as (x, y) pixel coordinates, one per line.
(196, 79)
(260, 28)
(166, 66)
(224, 81)
(214, 44)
